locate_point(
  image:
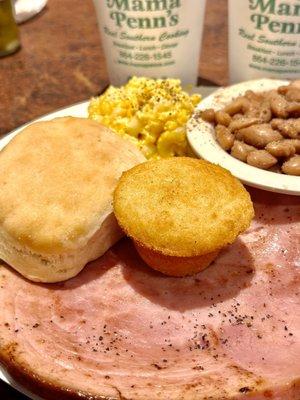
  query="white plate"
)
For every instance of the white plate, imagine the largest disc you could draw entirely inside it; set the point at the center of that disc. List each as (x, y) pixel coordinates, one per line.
(80, 110)
(77, 110)
(202, 140)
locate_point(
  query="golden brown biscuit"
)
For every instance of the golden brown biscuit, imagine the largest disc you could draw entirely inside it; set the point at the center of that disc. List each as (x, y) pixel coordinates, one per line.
(181, 208)
(56, 184)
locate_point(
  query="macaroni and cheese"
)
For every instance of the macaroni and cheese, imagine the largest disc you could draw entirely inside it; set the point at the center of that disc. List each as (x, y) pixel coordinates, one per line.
(150, 113)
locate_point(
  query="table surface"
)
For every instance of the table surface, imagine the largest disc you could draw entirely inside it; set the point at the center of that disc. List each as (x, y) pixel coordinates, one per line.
(61, 62)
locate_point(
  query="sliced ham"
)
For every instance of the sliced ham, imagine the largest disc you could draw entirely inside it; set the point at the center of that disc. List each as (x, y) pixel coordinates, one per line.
(122, 331)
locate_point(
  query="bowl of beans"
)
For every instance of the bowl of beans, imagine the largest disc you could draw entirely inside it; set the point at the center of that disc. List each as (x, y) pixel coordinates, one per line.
(252, 129)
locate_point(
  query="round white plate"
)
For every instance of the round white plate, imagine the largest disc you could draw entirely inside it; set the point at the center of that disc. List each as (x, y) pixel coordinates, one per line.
(202, 140)
(80, 110)
(77, 110)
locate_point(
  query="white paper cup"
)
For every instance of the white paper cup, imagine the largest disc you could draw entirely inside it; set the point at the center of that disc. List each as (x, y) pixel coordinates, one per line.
(264, 39)
(152, 38)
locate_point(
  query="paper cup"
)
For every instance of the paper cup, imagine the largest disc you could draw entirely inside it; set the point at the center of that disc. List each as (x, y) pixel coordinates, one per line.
(264, 39)
(152, 38)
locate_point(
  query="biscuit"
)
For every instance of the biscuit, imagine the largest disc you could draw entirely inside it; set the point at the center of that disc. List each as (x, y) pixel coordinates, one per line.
(56, 184)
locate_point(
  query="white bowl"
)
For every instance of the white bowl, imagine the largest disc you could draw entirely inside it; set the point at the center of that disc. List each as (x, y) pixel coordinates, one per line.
(202, 139)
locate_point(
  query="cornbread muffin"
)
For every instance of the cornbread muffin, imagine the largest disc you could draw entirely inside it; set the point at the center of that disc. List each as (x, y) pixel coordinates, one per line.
(56, 186)
(180, 212)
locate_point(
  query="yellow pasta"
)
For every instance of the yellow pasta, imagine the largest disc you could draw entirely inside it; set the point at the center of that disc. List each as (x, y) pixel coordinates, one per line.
(152, 113)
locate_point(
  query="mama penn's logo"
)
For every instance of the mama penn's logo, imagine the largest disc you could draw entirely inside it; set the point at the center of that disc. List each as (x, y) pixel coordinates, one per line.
(122, 13)
(143, 5)
(265, 10)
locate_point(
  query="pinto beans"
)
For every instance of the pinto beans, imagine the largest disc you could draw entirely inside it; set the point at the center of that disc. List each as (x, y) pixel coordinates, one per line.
(253, 97)
(257, 106)
(295, 143)
(258, 135)
(265, 113)
(293, 94)
(236, 106)
(237, 116)
(208, 115)
(289, 128)
(283, 89)
(261, 128)
(224, 137)
(294, 109)
(281, 148)
(261, 159)
(240, 150)
(242, 122)
(279, 105)
(223, 118)
(276, 123)
(292, 166)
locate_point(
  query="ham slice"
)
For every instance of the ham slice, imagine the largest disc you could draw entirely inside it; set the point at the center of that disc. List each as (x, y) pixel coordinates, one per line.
(122, 331)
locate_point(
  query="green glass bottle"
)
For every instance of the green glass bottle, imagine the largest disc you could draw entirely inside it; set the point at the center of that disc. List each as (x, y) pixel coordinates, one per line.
(9, 34)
